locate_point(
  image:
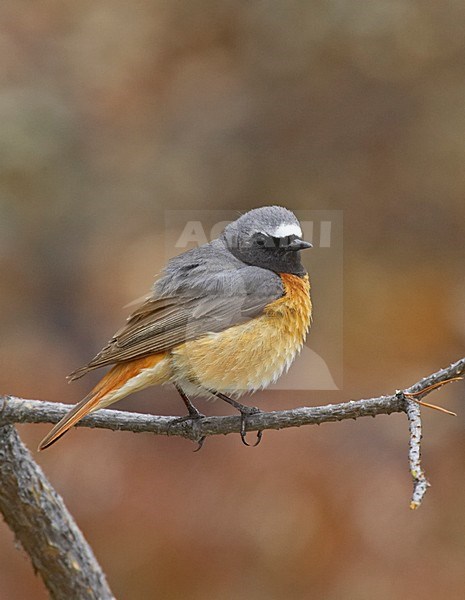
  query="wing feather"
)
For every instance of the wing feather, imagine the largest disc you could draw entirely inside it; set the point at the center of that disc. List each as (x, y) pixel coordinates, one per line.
(161, 323)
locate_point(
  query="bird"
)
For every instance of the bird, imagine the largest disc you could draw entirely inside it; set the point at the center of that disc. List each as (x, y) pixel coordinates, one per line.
(223, 319)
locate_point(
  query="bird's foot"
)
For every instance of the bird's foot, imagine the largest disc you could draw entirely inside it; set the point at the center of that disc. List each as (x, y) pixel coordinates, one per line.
(246, 412)
(194, 416)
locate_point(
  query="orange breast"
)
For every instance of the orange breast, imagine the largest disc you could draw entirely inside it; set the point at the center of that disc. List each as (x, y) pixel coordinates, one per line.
(252, 355)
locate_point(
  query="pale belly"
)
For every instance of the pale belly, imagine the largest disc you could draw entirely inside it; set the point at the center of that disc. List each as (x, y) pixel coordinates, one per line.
(249, 356)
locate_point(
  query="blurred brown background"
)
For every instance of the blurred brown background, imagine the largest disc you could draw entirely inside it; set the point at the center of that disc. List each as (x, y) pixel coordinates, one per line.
(112, 112)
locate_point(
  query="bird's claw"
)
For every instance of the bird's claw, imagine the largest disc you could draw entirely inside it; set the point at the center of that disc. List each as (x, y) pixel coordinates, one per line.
(253, 410)
(200, 443)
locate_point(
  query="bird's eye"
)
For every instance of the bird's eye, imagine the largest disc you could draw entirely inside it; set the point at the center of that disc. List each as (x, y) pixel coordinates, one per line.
(260, 241)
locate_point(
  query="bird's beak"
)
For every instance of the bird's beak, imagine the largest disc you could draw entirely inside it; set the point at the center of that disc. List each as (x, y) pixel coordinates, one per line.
(299, 245)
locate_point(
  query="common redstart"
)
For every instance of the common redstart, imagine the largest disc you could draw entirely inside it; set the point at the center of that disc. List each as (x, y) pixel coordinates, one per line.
(223, 319)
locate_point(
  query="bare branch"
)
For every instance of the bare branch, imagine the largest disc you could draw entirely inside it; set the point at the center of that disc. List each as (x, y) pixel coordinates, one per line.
(420, 483)
(43, 526)
(17, 410)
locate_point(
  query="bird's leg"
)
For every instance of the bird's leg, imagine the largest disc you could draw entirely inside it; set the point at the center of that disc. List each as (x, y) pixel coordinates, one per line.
(193, 415)
(245, 411)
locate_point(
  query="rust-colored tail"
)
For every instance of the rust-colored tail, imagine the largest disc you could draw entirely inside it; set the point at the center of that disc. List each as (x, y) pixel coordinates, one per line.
(111, 388)
(87, 405)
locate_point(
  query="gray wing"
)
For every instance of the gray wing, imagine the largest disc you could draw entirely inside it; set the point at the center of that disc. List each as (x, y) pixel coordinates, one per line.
(201, 291)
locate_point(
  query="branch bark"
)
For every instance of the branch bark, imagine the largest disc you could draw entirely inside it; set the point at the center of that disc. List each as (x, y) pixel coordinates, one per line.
(420, 483)
(18, 410)
(44, 528)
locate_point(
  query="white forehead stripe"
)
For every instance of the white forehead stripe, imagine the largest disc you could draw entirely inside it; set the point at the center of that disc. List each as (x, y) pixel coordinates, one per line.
(286, 229)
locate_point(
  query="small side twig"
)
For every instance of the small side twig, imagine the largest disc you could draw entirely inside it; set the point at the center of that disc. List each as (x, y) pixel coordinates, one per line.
(412, 408)
(420, 483)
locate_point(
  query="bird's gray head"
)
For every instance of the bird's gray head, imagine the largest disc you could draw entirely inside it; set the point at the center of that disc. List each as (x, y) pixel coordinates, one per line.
(268, 237)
